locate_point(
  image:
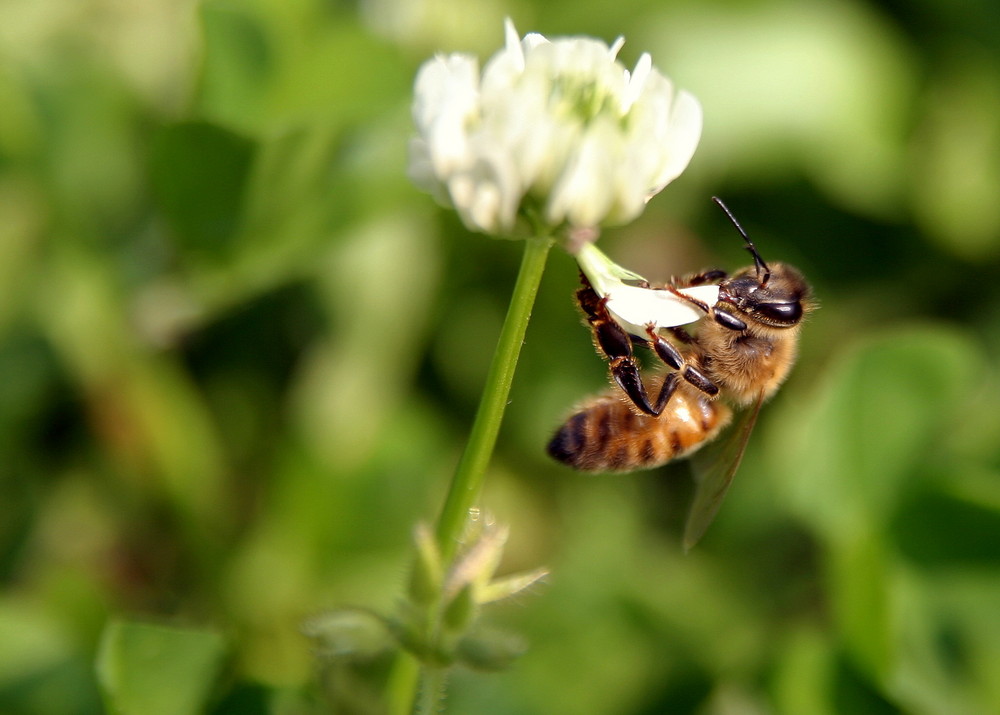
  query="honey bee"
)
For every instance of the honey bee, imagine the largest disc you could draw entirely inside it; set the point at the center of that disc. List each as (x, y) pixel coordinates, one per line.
(743, 349)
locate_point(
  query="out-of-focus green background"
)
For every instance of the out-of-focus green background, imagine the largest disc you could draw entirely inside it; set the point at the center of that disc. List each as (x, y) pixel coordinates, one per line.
(239, 355)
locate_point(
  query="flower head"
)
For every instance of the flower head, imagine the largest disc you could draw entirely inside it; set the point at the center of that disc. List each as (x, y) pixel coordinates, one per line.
(556, 127)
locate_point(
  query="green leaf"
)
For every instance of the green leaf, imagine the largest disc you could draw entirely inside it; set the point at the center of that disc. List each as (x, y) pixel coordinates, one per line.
(859, 582)
(199, 174)
(238, 61)
(266, 69)
(147, 669)
(850, 452)
(804, 672)
(937, 529)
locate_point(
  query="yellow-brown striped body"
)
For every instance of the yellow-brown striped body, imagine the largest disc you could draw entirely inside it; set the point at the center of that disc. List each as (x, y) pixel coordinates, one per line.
(607, 434)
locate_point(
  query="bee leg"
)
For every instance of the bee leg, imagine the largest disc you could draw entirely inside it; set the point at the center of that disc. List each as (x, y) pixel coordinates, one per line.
(664, 349)
(698, 279)
(590, 302)
(667, 390)
(681, 334)
(625, 372)
(669, 354)
(616, 345)
(700, 304)
(727, 320)
(696, 378)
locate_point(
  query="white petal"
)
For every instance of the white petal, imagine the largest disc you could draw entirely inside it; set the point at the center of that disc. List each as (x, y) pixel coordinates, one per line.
(533, 40)
(445, 83)
(616, 47)
(512, 44)
(682, 139)
(421, 169)
(636, 307)
(637, 81)
(487, 193)
(477, 201)
(580, 195)
(446, 102)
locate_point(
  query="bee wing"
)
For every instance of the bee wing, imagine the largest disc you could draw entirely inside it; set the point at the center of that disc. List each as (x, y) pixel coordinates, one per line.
(714, 470)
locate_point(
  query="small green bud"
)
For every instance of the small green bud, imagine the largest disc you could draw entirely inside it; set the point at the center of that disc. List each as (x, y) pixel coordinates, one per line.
(490, 651)
(348, 633)
(477, 564)
(428, 573)
(409, 634)
(461, 610)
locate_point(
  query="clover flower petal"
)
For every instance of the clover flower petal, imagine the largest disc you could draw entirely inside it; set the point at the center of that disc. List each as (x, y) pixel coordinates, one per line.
(556, 128)
(631, 302)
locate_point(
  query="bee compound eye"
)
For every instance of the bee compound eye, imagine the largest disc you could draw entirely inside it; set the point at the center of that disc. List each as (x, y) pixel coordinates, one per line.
(782, 313)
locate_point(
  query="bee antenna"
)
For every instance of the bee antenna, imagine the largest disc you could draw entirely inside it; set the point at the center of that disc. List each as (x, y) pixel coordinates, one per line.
(757, 260)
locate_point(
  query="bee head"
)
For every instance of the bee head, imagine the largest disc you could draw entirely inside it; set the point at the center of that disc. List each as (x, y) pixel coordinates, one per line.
(774, 296)
(780, 303)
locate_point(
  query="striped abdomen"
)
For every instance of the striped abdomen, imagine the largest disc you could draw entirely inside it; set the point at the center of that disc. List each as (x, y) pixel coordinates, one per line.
(605, 435)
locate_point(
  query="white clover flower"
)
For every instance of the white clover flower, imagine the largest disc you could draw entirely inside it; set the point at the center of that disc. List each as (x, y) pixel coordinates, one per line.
(634, 306)
(557, 128)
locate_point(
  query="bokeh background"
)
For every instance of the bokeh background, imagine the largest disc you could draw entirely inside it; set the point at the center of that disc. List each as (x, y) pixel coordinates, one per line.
(239, 355)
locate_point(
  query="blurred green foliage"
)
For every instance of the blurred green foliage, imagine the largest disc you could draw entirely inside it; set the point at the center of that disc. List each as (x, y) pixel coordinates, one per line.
(240, 354)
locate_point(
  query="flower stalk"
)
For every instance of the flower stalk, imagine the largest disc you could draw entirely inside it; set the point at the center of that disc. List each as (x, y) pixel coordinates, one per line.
(413, 688)
(469, 475)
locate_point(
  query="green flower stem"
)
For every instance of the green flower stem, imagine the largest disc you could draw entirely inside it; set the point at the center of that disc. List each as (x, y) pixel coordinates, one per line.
(471, 470)
(404, 679)
(432, 689)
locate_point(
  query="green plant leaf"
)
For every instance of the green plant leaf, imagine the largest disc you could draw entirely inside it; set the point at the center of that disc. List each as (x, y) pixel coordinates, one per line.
(147, 669)
(199, 174)
(861, 586)
(851, 452)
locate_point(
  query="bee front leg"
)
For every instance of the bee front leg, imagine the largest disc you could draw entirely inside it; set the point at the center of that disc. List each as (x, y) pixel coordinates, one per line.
(682, 335)
(697, 279)
(615, 343)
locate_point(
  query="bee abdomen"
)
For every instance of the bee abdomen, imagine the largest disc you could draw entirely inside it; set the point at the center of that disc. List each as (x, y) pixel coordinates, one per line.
(607, 436)
(587, 438)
